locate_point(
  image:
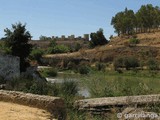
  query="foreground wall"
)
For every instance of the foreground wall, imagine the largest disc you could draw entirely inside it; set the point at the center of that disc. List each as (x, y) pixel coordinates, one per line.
(104, 105)
(54, 105)
(9, 66)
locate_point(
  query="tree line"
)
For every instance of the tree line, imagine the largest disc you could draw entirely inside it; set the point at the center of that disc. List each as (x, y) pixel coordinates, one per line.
(146, 19)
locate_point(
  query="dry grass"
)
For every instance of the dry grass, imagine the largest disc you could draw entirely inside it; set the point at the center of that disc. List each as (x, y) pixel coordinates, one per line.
(11, 111)
(117, 47)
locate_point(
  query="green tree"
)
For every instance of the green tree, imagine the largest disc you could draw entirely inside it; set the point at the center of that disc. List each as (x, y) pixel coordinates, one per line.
(44, 38)
(124, 22)
(147, 18)
(98, 38)
(117, 22)
(17, 40)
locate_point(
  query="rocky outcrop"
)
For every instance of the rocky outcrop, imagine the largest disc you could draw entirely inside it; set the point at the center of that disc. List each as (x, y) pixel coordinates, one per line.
(55, 105)
(104, 105)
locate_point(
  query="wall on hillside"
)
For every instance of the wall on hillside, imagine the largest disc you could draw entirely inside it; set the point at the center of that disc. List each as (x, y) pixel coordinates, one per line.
(9, 66)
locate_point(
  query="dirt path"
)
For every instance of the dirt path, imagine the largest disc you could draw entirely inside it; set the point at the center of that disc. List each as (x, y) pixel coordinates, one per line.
(11, 111)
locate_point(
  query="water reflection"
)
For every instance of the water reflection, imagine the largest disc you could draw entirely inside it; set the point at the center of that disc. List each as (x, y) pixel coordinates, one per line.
(62, 77)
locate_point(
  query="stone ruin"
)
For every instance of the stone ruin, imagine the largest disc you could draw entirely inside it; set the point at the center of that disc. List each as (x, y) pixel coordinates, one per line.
(72, 37)
(9, 67)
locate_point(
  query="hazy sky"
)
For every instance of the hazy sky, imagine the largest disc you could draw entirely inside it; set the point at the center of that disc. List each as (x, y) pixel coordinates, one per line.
(64, 17)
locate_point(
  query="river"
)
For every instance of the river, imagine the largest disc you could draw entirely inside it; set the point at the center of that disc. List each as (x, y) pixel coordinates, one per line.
(61, 77)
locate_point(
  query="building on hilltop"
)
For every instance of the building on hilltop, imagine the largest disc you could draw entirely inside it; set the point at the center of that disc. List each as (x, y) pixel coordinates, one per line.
(72, 37)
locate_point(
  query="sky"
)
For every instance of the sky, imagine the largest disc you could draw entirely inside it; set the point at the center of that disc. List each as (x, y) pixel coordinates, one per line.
(64, 17)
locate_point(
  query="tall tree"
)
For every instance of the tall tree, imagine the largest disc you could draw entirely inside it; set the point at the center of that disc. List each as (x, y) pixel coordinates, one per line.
(129, 21)
(147, 18)
(17, 40)
(117, 22)
(98, 38)
(124, 22)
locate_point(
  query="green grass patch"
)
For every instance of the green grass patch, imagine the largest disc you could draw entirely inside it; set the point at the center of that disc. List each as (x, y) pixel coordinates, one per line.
(49, 72)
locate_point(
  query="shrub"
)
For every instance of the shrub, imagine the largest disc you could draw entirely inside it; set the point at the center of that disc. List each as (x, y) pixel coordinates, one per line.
(38, 87)
(100, 66)
(152, 64)
(133, 41)
(71, 65)
(98, 38)
(50, 50)
(36, 54)
(77, 47)
(83, 69)
(50, 72)
(61, 49)
(118, 62)
(131, 62)
(53, 43)
(27, 84)
(58, 49)
(127, 62)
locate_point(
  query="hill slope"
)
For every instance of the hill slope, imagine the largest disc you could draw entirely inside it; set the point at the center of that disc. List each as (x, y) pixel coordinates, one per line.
(149, 46)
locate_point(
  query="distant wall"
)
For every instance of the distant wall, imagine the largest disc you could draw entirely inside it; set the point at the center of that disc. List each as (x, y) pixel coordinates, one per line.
(9, 66)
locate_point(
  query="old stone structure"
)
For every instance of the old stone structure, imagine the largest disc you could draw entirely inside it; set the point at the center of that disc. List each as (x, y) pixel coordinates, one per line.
(9, 66)
(54, 105)
(105, 105)
(72, 37)
(70, 41)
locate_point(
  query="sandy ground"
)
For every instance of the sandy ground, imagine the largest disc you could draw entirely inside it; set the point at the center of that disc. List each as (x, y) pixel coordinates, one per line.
(11, 111)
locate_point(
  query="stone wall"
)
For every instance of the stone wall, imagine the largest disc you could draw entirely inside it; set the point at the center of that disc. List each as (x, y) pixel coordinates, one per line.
(105, 105)
(54, 105)
(9, 66)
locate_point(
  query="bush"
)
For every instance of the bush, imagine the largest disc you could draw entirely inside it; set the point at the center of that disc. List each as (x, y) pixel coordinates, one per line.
(133, 41)
(100, 66)
(50, 72)
(77, 47)
(36, 54)
(83, 70)
(53, 43)
(27, 85)
(126, 62)
(38, 87)
(152, 64)
(61, 49)
(118, 62)
(131, 62)
(58, 49)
